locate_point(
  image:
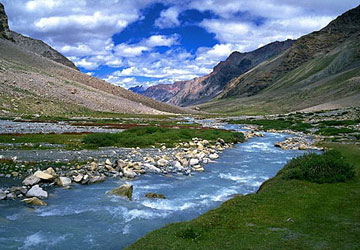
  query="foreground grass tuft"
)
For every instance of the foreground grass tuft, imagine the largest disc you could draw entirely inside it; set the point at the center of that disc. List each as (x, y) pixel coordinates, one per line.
(329, 167)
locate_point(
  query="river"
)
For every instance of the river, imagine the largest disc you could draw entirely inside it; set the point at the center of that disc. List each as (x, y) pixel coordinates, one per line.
(86, 217)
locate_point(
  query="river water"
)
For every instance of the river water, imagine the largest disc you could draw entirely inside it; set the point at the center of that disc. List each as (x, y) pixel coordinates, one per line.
(86, 217)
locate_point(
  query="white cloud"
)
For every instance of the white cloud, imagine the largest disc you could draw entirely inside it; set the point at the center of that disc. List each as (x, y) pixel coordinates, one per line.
(82, 30)
(161, 40)
(168, 18)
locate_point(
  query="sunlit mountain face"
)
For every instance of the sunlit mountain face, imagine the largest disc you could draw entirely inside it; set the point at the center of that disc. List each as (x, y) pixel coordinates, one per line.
(149, 42)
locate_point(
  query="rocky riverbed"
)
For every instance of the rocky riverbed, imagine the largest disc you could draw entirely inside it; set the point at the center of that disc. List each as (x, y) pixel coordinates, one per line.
(183, 160)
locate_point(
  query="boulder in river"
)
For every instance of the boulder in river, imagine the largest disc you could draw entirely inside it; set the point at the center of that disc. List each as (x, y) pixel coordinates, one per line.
(108, 162)
(155, 196)
(34, 201)
(78, 178)
(2, 195)
(178, 165)
(213, 156)
(63, 181)
(50, 171)
(128, 173)
(151, 168)
(96, 179)
(162, 162)
(31, 180)
(194, 161)
(44, 176)
(125, 190)
(37, 191)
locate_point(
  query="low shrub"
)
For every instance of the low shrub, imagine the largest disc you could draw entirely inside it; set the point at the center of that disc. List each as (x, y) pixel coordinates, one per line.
(328, 167)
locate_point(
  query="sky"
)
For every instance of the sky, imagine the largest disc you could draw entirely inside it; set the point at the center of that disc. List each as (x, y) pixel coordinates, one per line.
(147, 42)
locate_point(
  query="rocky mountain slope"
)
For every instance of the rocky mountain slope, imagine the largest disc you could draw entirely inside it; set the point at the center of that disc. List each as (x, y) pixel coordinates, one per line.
(30, 44)
(31, 83)
(320, 69)
(202, 89)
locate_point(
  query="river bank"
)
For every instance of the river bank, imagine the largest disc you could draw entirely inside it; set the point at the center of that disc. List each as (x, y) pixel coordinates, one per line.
(285, 214)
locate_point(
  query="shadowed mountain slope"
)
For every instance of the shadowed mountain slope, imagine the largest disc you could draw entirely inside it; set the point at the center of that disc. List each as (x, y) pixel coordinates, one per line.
(320, 69)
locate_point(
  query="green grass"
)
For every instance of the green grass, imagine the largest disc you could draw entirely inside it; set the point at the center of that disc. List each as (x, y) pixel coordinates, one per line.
(329, 167)
(70, 141)
(134, 137)
(278, 124)
(147, 136)
(285, 214)
(339, 123)
(331, 131)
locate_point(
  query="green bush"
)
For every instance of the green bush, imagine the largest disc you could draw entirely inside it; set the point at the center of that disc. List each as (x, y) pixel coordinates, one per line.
(329, 167)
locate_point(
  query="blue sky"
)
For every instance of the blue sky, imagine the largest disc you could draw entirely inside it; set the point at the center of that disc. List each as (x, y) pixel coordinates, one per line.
(132, 42)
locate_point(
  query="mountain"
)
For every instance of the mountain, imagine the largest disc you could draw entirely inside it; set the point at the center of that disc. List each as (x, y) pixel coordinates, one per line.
(203, 89)
(164, 92)
(32, 83)
(320, 69)
(138, 89)
(34, 45)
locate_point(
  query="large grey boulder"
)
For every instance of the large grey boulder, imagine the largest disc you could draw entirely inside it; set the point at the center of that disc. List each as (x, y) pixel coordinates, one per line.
(31, 180)
(125, 190)
(128, 173)
(37, 191)
(63, 181)
(34, 201)
(151, 168)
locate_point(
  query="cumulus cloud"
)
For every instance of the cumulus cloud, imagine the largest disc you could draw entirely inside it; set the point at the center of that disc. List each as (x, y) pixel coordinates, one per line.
(168, 18)
(83, 31)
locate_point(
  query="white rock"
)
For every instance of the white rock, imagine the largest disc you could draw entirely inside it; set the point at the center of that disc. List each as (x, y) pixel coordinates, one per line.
(178, 165)
(162, 162)
(78, 178)
(194, 161)
(50, 171)
(128, 173)
(43, 176)
(63, 181)
(151, 168)
(108, 162)
(213, 156)
(31, 180)
(2, 195)
(37, 191)
(198, 168)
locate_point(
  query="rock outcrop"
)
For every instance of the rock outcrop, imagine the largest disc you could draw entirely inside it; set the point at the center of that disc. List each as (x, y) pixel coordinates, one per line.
(33, 45)
(4, 26)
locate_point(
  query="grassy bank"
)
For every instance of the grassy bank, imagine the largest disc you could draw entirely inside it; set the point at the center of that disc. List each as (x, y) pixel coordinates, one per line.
(154, 136)
(288, 213)
(133, 137)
